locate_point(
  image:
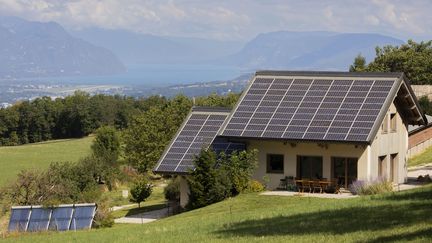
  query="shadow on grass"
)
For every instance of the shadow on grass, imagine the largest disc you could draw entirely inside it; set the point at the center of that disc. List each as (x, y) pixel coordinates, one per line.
(144, 209)
(425, 233)
(420, 194)
(336, 221)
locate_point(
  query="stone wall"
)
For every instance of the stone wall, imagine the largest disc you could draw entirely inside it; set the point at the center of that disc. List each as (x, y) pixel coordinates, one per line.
(422, 90)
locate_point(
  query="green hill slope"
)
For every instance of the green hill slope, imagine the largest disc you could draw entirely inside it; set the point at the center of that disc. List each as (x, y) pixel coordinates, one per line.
(40, 155)
(400, 216)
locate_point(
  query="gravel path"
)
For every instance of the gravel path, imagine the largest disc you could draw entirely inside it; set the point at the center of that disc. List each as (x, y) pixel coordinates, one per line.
(143, 218)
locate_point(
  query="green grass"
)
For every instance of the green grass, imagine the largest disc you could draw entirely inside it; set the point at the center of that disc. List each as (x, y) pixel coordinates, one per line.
(40, 155)
(154, 202)
(421, 159)
(402, 216)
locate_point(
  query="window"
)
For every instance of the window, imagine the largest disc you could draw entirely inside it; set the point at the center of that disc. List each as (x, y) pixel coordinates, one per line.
(275, 163)
(310, 167)
(393, 122)
(384, 125)
(344, 170)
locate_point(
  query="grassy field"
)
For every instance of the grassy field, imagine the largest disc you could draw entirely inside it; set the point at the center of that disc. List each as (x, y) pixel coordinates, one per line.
(401, 216)
(423, 158)
(40, 155)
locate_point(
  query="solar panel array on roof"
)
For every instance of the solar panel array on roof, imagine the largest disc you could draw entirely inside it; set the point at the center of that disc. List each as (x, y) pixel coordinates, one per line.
(293, 108)
(197, 132)
(220, 145)
(63, 217)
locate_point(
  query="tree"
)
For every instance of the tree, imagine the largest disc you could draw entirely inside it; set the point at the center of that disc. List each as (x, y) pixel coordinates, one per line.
(140, 191)
(359, 64)
(150, 132)
(414, 59)
(106, 145)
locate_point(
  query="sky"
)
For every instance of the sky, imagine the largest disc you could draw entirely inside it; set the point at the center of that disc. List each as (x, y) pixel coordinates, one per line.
(233, 19)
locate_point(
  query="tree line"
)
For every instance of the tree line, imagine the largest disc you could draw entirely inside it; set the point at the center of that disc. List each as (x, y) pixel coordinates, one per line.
(81, 114)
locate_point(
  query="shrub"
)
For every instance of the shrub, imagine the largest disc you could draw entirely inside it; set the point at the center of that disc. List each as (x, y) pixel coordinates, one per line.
(255, 186)
(377, 186)
(172, 190)
(103, 217)
(216, 178)
(140, 191)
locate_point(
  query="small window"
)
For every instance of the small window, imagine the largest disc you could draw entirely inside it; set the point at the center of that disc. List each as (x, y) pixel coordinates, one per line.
(384, 125)
(393, 122)
(275, 163)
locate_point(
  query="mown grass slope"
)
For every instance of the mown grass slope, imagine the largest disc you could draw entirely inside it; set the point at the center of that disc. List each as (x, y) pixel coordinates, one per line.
(421, 159)
(40, 155)
(401, 216)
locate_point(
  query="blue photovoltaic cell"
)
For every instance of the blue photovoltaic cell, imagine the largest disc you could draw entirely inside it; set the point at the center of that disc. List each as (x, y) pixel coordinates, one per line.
(19, 219)
(82, 217)
(39, 219)
(180, 154)
(61, 218)
(320, 109)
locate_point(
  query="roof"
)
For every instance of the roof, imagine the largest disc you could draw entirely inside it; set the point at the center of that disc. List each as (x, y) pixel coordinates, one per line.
(320, 106)
(416, 128)
(198, 131)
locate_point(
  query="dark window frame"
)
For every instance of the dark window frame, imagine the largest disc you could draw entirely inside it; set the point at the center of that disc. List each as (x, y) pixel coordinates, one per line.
(269, 169)
(393, 122)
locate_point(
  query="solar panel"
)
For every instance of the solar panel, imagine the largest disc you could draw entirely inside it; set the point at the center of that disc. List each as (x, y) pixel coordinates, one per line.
(19, 218)
(39, 219)
(82, 217)
(326, 108)
(198, 131)
(62, 217)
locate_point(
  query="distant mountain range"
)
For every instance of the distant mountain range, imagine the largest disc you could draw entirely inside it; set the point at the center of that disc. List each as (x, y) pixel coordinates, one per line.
(35, 49)
(274, 50)
(135, 48)
(307, 50)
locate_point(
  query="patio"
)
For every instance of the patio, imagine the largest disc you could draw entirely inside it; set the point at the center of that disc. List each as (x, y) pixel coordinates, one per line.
(307, 194)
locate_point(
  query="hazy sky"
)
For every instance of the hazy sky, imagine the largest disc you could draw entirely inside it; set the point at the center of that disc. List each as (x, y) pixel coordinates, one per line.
(233, 19)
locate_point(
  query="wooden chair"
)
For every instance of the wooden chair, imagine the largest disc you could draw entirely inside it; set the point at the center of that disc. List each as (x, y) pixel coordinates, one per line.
(299, 185)
(315, 184)
(335, 185)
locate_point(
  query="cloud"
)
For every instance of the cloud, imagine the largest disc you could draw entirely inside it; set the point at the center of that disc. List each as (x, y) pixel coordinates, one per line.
(225, 19)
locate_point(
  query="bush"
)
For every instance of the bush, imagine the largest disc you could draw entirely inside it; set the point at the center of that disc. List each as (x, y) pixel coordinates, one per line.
(216, 178)
(172, 190)
(103, 217)
(372, 187)
(140, 191)
(255, 186)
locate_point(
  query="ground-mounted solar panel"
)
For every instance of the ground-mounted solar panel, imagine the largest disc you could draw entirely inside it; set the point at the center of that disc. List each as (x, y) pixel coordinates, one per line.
(326, 107)
(39, 219)
(82, 217)
(197, 132)
(61, 218)
(19, 219)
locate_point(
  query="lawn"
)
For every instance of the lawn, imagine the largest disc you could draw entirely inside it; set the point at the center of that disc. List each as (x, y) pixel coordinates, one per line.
(401, 216)
(423, 158)
(40, 155)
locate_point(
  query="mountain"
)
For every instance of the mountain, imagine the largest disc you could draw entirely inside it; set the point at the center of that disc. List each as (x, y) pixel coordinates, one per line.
(307, 50)
(137, 48)
(35, 49)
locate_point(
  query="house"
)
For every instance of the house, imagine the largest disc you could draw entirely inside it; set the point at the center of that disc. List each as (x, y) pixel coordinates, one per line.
(349, 126)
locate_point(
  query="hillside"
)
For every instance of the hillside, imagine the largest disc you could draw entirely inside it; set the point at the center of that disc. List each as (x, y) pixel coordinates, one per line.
(307, 50)
(138, 48)
(401, 216)
(40, 155)
(36, 49)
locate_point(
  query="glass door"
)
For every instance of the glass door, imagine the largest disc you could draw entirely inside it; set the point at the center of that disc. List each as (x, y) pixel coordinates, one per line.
(344, 170)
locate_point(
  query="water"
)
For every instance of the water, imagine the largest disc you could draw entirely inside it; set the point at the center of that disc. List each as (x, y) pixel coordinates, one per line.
(155, 75)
